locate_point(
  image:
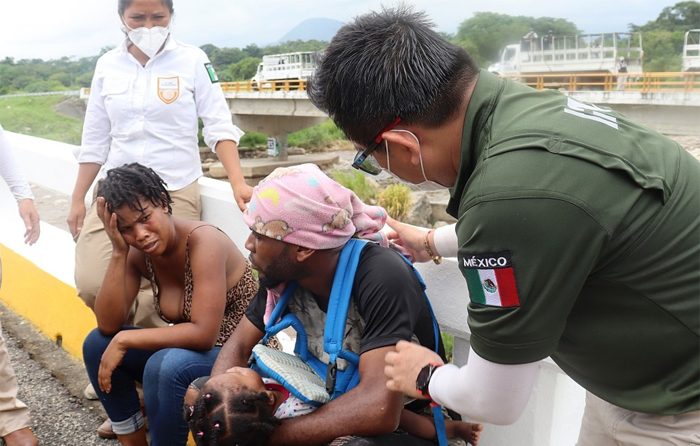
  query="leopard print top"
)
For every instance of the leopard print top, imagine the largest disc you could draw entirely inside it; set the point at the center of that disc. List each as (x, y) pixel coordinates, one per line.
(237, 297)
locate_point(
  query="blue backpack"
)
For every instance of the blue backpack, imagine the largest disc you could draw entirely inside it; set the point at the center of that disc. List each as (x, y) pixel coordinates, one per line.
(297, 375)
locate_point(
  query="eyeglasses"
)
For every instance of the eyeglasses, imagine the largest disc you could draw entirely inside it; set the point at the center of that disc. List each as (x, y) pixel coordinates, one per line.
(364, 160)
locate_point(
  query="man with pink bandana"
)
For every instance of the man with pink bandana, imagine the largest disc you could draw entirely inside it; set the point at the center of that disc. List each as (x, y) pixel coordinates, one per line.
(300, 220)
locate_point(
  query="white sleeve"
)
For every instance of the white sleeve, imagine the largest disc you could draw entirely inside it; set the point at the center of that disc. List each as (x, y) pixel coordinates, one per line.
(445, 240)
(10, 171)
(484, 391)
(96, 140)
(212, 107)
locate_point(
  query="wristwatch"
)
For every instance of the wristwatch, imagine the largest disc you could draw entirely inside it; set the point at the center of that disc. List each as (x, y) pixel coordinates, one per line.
(423, 380)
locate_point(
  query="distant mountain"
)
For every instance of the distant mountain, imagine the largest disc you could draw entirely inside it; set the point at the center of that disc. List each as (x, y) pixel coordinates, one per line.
(313, 29)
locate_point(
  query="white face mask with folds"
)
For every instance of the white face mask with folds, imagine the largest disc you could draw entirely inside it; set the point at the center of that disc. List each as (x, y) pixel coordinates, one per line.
(148, 40)
(426, 185)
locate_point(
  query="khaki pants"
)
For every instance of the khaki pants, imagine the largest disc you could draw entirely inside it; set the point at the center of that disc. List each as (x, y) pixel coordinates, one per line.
(93, 251)
(607, 425)
(14, 414)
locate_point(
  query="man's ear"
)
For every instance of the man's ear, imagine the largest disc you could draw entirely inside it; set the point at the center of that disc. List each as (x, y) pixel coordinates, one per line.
(301, 254)
(403, 144)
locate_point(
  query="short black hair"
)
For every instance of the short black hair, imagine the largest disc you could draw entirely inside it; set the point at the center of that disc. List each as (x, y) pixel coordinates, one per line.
(388, 64)
(129, 184)
(228, 417)
(123, 4)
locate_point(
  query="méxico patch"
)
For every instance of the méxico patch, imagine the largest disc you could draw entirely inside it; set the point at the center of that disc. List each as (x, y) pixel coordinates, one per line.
(212, 74)
(490, 279)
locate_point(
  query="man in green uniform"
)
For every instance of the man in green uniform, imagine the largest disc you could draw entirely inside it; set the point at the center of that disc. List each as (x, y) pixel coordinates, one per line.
(578, 231)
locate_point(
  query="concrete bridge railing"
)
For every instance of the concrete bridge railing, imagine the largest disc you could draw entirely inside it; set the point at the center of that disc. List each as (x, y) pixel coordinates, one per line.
(38, 284)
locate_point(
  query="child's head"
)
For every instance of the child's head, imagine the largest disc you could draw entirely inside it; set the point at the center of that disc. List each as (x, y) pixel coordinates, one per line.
(233, 408)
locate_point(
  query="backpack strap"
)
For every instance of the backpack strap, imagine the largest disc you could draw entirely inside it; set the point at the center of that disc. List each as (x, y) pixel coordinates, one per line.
(336, 317)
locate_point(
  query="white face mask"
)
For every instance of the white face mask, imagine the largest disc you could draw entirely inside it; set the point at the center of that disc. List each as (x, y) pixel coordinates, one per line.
(426, 185)
(149, 40)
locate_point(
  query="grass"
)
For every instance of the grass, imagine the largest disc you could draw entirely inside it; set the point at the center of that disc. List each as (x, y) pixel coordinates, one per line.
(357, 182)
(35, 116)
(448, 341)
(396, 199)
(317, 137)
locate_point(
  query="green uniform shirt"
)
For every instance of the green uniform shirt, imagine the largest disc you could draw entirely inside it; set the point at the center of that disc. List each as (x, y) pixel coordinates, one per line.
(579, 236)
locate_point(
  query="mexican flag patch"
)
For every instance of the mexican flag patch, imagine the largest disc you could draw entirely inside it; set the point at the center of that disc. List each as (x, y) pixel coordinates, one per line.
(490, 279)
(212, 74)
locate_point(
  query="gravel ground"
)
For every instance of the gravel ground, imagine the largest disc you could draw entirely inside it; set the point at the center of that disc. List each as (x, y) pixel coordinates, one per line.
(58, 418)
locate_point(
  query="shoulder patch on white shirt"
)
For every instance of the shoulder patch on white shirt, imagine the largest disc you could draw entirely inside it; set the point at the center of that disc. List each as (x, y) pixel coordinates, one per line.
(212, 74)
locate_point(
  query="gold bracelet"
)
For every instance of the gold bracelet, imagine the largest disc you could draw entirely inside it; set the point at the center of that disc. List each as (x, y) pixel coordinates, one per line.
(436, 259)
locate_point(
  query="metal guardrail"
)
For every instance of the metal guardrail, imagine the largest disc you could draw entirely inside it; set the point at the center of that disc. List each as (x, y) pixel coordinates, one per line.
(637, 82)
(286, 85)
(644, 82)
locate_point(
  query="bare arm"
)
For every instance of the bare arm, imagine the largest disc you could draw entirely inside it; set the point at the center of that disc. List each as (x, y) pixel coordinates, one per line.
(87, 172)
(368, 409)
(227, 151)
(121, 282)
(236, 351)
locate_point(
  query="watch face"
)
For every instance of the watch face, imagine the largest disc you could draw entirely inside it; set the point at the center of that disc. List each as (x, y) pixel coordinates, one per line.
(423, 376)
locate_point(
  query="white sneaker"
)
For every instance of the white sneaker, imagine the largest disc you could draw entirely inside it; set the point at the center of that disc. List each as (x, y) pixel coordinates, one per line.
(89, 393)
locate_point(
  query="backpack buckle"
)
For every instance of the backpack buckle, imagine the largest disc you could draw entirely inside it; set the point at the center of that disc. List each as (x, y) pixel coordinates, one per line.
(330, 377)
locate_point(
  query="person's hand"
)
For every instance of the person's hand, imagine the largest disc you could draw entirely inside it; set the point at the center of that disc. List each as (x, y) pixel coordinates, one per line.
(111, 359)
(404, 364)
(76, 217)
(242, 193)
(31, 221)
(109, 220)
(410, 237)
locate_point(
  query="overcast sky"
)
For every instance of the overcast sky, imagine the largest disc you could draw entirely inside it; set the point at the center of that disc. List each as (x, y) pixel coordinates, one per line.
(51, 29)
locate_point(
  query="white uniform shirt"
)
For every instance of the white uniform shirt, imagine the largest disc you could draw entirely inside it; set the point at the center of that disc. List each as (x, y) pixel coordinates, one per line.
(10, 171)
(149, 114)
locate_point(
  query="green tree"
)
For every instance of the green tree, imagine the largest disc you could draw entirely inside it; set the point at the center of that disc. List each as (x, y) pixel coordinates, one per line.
(224, 57)
(253, 50)
(486, 34)
(680, 17)
(244, 69)
(663, 37)
(209, 49)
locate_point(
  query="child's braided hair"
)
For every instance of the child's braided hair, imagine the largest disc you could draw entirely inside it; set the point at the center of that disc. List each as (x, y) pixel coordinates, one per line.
(129, 184)
(228, 417)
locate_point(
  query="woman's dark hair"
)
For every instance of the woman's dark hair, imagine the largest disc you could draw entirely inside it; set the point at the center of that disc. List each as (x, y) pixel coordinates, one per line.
(123, 4)
(129, 184)
(228, 417)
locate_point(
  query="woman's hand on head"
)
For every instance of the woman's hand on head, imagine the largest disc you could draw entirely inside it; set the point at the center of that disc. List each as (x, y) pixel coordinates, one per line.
(109, 220)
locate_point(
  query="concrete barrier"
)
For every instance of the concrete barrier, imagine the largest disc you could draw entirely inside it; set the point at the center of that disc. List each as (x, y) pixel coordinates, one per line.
(38, 284)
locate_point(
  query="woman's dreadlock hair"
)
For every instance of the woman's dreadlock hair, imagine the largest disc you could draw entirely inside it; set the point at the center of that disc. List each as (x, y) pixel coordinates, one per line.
(129, 184)
(228, 417)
